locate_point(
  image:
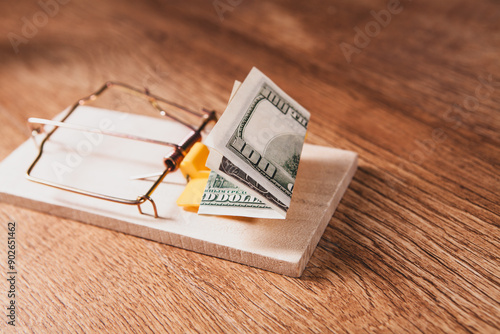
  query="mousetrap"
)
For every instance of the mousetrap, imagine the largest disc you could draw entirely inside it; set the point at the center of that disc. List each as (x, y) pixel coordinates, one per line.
(117, 167)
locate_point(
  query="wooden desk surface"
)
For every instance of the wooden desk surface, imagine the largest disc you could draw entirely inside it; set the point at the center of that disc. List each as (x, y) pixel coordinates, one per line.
(414, 244)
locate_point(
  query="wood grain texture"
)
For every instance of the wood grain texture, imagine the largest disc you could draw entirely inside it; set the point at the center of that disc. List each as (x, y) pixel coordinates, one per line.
(414, 245)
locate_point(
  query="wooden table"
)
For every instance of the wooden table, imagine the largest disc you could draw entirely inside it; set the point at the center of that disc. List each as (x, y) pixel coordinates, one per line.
(413, 88)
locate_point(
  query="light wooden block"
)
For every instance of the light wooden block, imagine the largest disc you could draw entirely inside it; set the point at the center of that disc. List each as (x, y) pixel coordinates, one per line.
(281, 246)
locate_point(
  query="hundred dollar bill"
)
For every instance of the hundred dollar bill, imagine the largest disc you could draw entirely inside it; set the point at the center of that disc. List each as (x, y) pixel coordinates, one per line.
(221, 197)
(257, 143)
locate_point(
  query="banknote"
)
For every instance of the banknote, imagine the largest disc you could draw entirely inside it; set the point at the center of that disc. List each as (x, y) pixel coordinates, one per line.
(222, 197)
(257, 143)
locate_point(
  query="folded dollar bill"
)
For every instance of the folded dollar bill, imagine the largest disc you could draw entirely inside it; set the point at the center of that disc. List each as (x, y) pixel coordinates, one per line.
(255, 151)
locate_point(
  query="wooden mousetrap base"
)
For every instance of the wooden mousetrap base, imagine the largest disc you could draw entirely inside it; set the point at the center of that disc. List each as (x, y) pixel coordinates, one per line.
(281, 246)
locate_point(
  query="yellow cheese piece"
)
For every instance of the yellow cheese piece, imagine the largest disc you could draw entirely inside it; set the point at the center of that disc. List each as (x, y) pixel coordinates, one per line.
(193, 165)
(191, 196)
(193, 168)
